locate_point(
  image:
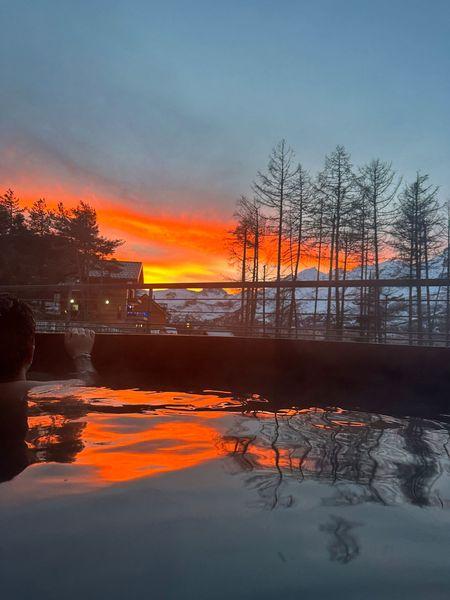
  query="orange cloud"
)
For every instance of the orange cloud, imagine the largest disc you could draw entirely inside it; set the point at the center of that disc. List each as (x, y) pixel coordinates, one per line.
(183, 247)
(173, 247)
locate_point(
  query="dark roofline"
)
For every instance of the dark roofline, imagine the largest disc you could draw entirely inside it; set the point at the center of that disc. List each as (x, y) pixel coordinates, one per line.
(120, 273)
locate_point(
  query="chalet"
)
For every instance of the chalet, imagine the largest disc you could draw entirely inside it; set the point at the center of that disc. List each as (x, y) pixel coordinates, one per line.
(109, 301)
(116, 303)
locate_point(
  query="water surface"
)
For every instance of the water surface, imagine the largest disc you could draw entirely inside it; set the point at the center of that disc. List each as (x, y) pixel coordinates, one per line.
(133, 493)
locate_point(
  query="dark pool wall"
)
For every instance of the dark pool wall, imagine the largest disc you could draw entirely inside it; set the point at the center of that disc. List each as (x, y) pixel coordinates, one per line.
(362, 375)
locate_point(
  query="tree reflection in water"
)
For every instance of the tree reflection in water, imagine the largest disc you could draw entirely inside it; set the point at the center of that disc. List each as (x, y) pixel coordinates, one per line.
(360, 457)
(363, 457)
(343, 546)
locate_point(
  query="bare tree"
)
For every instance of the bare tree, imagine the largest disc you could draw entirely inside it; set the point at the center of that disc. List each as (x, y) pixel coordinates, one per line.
(337, 184)
(274, 189)
(317, 245)
(346, 219)
(245, 249)
(298, 214)
(416, 232)
(377, 190)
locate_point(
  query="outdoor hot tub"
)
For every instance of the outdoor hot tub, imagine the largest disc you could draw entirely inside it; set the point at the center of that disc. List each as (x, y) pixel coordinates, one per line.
(142, 488)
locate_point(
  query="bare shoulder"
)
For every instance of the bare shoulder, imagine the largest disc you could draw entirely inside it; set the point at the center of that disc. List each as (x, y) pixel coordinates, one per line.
(31, 385)
(21, 388)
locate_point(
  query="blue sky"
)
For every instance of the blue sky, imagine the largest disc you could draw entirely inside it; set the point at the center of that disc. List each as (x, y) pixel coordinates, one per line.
(177, 104)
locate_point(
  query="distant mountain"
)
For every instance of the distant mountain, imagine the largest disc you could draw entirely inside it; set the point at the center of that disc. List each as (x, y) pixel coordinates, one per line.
(206, 305)
(210, 305)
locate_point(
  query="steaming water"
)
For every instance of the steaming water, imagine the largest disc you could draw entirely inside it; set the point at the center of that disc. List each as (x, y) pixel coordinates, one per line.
(166, 495)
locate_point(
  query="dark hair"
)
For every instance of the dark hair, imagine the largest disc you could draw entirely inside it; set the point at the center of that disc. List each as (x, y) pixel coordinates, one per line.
(17, 328)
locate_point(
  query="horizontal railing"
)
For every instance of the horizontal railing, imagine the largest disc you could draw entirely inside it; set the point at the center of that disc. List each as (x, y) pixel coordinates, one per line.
(284, 284)
(375, 311)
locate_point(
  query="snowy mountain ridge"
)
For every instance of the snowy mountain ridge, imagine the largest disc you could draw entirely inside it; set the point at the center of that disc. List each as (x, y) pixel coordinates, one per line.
(210, 304)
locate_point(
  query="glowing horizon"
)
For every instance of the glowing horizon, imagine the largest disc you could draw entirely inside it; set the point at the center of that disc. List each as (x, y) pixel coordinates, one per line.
(172, 247)
(162, 137)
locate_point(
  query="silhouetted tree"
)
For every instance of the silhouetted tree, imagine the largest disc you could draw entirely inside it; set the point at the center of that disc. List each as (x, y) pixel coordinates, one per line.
(40, 218)
(274, 189)
(377, 190)
(12, 219)
(244, 249)
(416, 232)
(298, 216)
(337, 184)
(47, 248)
(80, 228)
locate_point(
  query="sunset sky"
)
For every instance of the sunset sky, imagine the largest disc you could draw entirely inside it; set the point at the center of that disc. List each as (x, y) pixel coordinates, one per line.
(160, 113)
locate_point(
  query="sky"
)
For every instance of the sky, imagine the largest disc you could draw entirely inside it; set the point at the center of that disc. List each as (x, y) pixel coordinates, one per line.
(160, 113)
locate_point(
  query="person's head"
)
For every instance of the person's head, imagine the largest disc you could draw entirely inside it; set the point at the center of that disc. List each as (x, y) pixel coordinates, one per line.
(17, 329)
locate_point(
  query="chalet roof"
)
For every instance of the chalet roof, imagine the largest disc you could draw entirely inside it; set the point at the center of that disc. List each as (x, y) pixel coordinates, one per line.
(126, 270)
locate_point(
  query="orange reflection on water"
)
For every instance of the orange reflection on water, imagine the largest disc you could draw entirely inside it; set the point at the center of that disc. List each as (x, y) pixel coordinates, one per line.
(90, 396)
(144, 446)
(263, 457)
(123, 435)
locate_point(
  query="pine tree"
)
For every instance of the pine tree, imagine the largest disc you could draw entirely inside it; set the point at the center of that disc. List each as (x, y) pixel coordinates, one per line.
(40, 218)
(12, 219)
(80, 228)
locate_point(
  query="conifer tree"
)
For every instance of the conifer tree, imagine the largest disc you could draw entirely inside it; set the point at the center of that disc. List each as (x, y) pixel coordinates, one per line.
(40, 218)
(80, 228)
